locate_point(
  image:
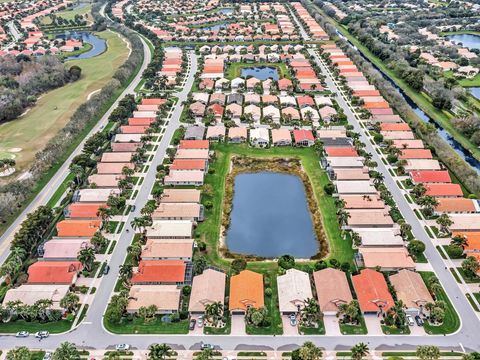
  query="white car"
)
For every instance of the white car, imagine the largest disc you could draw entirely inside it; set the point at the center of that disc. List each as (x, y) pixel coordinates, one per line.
(42, 334)
(22, 334)
(410, 321)
(47, 356)
(122, 347)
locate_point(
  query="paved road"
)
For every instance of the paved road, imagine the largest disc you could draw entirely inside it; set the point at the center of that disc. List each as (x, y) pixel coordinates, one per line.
(17, 35)
(52, 186)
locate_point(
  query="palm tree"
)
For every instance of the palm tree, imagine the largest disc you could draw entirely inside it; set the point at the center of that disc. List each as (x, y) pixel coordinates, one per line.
(359, 351)
(214, 312)
(428, 204)
(444, 221)
(459, 240)
(70, 302)
(66, 351)
(419, 190)
(105, 214)
(311, 313)
(125, 273)
(87, 257)
(159, 352)
(205, 354)
(135, 250)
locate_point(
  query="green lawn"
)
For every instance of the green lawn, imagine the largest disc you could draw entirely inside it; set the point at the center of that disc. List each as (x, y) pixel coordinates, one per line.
(388, 330)
(234, 69)
(69, 14)
(207, 330)
(32, 327)
(54, 109)
(138, 326)
(360, 329)
(439, 116)
(451, 322)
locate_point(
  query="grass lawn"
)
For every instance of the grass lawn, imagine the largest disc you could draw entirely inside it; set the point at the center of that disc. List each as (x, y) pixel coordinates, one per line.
(451, 322)
(54, 109)
(69, 14)
(32, 327)
(470, 300)
(394, 331)
(138, 326)
(209, 230)
(312, 331)
(354, 329)
(468, 279)
(60, 191)
(439, 116)
(207, 330)
(234, 69)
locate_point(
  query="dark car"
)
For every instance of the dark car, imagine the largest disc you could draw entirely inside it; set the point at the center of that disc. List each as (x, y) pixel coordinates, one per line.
(191, 325)
(419, 320)
(106, 269)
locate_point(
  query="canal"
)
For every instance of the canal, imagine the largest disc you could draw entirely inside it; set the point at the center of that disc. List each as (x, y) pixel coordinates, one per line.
(270, 217)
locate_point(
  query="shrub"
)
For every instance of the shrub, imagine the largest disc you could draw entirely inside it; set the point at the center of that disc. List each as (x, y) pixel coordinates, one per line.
(286, 261)
(329, 188)
(239, 265)
(334, 263)
(320, 265)
(268, 292)
(454, 251)
(186, 290)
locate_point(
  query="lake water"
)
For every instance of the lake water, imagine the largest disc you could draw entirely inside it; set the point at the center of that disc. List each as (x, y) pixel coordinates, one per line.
(475, 92)
(225, 11)
(215, 27)
(261, 73)
(468, 40)
(270, 217)
(99, 46)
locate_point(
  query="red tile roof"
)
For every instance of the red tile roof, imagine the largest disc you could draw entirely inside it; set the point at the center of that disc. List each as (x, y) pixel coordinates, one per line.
(194, 144)
(77, 228)
(84, 210)
(372, 291)
(53, 272)
(416, 154)
(395, 127)
(153, 101)
(430, 176)
(302, 135)
(186, 164)
(341, 151)
(160, 271)
(443, 190)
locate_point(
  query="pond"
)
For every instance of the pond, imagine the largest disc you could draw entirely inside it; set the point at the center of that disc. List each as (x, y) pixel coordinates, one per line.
(260, 72)
(475, 92)
(99, 45)
(215, 27)
(270, 217)
(225, 11)
(468, 40)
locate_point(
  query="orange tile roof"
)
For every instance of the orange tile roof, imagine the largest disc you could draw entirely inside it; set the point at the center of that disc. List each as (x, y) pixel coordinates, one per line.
(146, 121)
(341, 151)
(153, 101)
(455, 205)
(430, 176)
(395, 127)
(84, 210)
(194, 144)
(77, 228)
(377, 105)
(416, 154)
(53, 272)
(372, 291)
(186, 164)
(246, 289)
(473, 239)
(443, 190)
(159, 271)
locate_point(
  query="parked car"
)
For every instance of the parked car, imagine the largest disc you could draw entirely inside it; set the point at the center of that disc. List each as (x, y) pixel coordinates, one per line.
(47, 356)
(419, 320)
(410, 321)
(106, 269)
(122, 347)
(22, 334)
(293, 320)
(191, 326)
(132, 209)
(200, 322)
(206, 346)
(42, 334)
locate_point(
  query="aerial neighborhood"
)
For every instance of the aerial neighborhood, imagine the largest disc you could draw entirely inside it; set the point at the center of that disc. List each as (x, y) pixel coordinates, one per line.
(206, 179)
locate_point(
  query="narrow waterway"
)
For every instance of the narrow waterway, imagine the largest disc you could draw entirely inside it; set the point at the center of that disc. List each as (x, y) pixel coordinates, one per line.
(99, 45)
(459, 149)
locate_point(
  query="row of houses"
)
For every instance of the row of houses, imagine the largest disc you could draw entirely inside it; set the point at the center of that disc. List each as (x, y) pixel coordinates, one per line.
(171, 65)
(313, 28)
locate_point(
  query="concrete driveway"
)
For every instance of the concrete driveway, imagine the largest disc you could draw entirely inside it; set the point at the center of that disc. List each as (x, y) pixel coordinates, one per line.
(197, 330)
(373, 324)
(287, 328)
(332, 327)
(238, 325)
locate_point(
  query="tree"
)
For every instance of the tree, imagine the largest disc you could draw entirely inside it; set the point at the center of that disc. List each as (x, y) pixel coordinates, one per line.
(444, 221)
(239, 265)
(98, 241)
(214, 312)
(70, 302)
(19, 353)
(470, 266)
(428, 204)
(159, 352)
(308, 351)
(126, 272)
(199, 264)
(205, 354)
(66, 351)
(310, 313)
(416, 247)
(87, 257)
(419, 190)
(359, 351)
(286, 261)
(350, 312)
(459, 240)
(428, 352)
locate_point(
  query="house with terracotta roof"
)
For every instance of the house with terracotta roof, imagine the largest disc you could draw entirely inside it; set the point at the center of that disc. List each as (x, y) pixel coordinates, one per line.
(188, 164)
(457, 205)
(347, 151)
(105, 181)
(166, 298)
(180, 178)
(465, 222)
(281, 137)
(192, 154)
(443, 190)
(293, 289)
(349, 174)
(216, 133)
(194, 144)
(290, 113)
(125, 146)
(77, 228)
(237, 135)
(372, 292)
(29, 294)
(386, 258)
(80, 211)
(113, 168)
(168, 249)
(54, 272)
(197, 109)
(430, 176)
(371, 218)
(246, 289)
(113, 157)
(408, 144)
(159, 272)
(332, 290)
(303, 137)
(327, 113)
(411, 290)
(207, 288)
(179, 211)
(62, 250)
